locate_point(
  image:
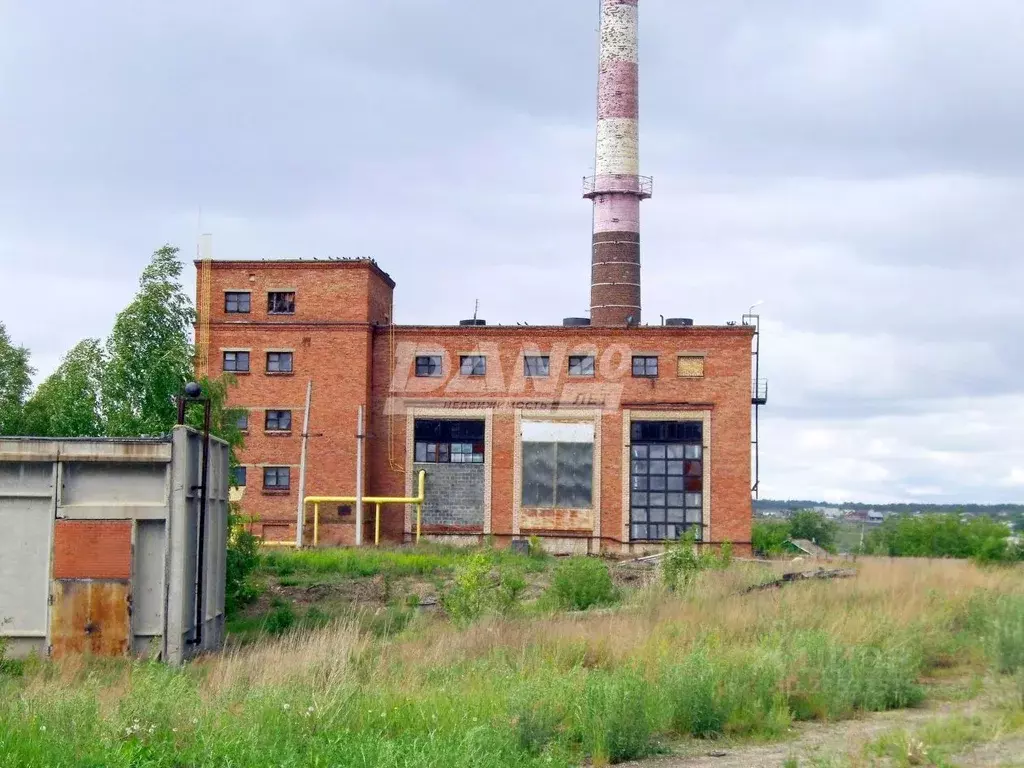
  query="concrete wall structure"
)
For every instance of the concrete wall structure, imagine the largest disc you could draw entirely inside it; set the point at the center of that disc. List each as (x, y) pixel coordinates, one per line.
(703, 376)
(105, 556)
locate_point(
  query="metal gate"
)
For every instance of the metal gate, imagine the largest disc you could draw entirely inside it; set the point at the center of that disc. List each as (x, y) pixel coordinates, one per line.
(666, 480)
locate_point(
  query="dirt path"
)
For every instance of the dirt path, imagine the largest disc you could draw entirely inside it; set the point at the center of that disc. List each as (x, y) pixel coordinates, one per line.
(839, 744)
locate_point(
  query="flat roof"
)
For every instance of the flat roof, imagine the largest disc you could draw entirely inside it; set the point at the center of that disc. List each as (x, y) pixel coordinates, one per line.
(368, 263)
(573, 328)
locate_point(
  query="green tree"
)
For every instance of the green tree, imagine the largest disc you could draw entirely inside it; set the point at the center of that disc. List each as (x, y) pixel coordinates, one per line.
(980, 538)
(15, 383)
(149, 352)
(67, 404)
(769, 537)
(813, 526)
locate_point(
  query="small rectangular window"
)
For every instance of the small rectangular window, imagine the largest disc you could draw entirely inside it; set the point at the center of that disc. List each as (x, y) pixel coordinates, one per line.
(281, 303)
(645, 367)
(242, 421)
(277, 478)
(237, 302)
(236, 362)
(428, 366)
(279, 421)
(537, 366)
(473, 365)
(581, 365)
(690, 366)
(279, 362)
(238, 477)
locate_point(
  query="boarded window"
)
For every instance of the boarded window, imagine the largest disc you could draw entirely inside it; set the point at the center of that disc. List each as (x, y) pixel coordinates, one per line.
(558, 465)
(690, 366)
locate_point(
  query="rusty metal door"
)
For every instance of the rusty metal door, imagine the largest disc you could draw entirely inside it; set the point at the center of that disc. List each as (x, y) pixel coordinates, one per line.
(90, 616)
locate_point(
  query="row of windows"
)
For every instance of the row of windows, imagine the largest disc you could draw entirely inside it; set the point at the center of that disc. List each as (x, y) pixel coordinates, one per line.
(539, 366)
(278, 302)
(277, 362)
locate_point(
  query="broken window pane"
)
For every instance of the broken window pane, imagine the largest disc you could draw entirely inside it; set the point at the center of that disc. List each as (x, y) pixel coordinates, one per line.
(281, 303)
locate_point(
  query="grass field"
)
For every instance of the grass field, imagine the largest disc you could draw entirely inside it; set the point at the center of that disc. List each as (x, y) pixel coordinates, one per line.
(528, 684)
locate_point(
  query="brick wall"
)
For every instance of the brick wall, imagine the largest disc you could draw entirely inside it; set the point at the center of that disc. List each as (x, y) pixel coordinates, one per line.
(341, 340)
(92, 549)
(454, 496)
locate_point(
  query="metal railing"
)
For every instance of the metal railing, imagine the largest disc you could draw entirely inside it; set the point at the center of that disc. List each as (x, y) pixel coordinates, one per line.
(759, 392)
(618, 182)
(377, 501)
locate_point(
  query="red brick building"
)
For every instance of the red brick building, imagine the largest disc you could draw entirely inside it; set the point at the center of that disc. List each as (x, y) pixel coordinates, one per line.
(593, 437)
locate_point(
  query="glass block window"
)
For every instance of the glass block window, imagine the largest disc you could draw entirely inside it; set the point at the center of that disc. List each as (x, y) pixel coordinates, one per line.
(581, 365)
(690, 366)
(536, 366)
(557, 465)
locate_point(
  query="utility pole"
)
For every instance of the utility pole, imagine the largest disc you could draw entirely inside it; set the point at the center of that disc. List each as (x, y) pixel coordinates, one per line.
(301, 519)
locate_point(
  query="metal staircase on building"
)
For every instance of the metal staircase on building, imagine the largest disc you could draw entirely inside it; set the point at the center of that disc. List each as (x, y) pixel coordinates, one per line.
(758, 397)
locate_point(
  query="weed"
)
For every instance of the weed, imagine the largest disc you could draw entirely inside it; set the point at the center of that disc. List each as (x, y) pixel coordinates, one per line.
(580, 583)
(280, 620)
(467, 599)
(1008, 634)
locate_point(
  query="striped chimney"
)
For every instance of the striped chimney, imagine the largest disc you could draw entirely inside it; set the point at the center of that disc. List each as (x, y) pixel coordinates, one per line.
(617, 188)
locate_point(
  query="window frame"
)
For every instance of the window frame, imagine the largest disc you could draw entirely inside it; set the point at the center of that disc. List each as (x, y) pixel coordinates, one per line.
(277, 474)
(429, 370)
(236, 353)
(280, 357)
(236, 296)
(537, 373)
(478, 365)
(645, 361)
(580, 362)
(234, 476)
(271, 303)
(277, 412)
(243, 414)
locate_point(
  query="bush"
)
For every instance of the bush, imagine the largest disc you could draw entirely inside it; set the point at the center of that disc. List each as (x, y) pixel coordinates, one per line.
(1007, 636)
(580, 583)
(769, 538)
(243, 558)
(695, 704)
(980, 538)
(616, 724)
(469, 597)
(281, 619)
(682, 562)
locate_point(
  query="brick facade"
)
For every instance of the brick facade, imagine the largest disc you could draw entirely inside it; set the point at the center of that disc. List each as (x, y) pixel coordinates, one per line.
(342, 339)
(92, 549)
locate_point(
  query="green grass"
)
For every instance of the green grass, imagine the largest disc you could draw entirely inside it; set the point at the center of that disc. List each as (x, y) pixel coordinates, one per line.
(424, 560)
(536, 690)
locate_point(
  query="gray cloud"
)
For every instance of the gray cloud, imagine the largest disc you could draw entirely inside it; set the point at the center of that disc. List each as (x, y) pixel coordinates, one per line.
(856, 165)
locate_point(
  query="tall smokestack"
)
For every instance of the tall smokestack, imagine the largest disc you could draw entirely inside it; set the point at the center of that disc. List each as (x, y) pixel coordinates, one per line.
(617, 188)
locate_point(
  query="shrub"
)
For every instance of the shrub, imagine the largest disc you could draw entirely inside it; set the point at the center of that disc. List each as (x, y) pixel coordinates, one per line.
(281, 619)
(580, 583)
(468, 598)
(1007, 637)
(769, 538)
(682, 562)
(243, 558)
(695, 705)
(511, 585)
(980, 538)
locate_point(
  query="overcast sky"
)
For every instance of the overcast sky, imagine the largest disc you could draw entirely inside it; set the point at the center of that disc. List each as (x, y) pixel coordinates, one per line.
(859, 166)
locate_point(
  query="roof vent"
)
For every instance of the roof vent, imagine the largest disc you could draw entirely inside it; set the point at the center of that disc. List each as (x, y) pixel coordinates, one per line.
(576, 322)
(679, 321)
(473, 322)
